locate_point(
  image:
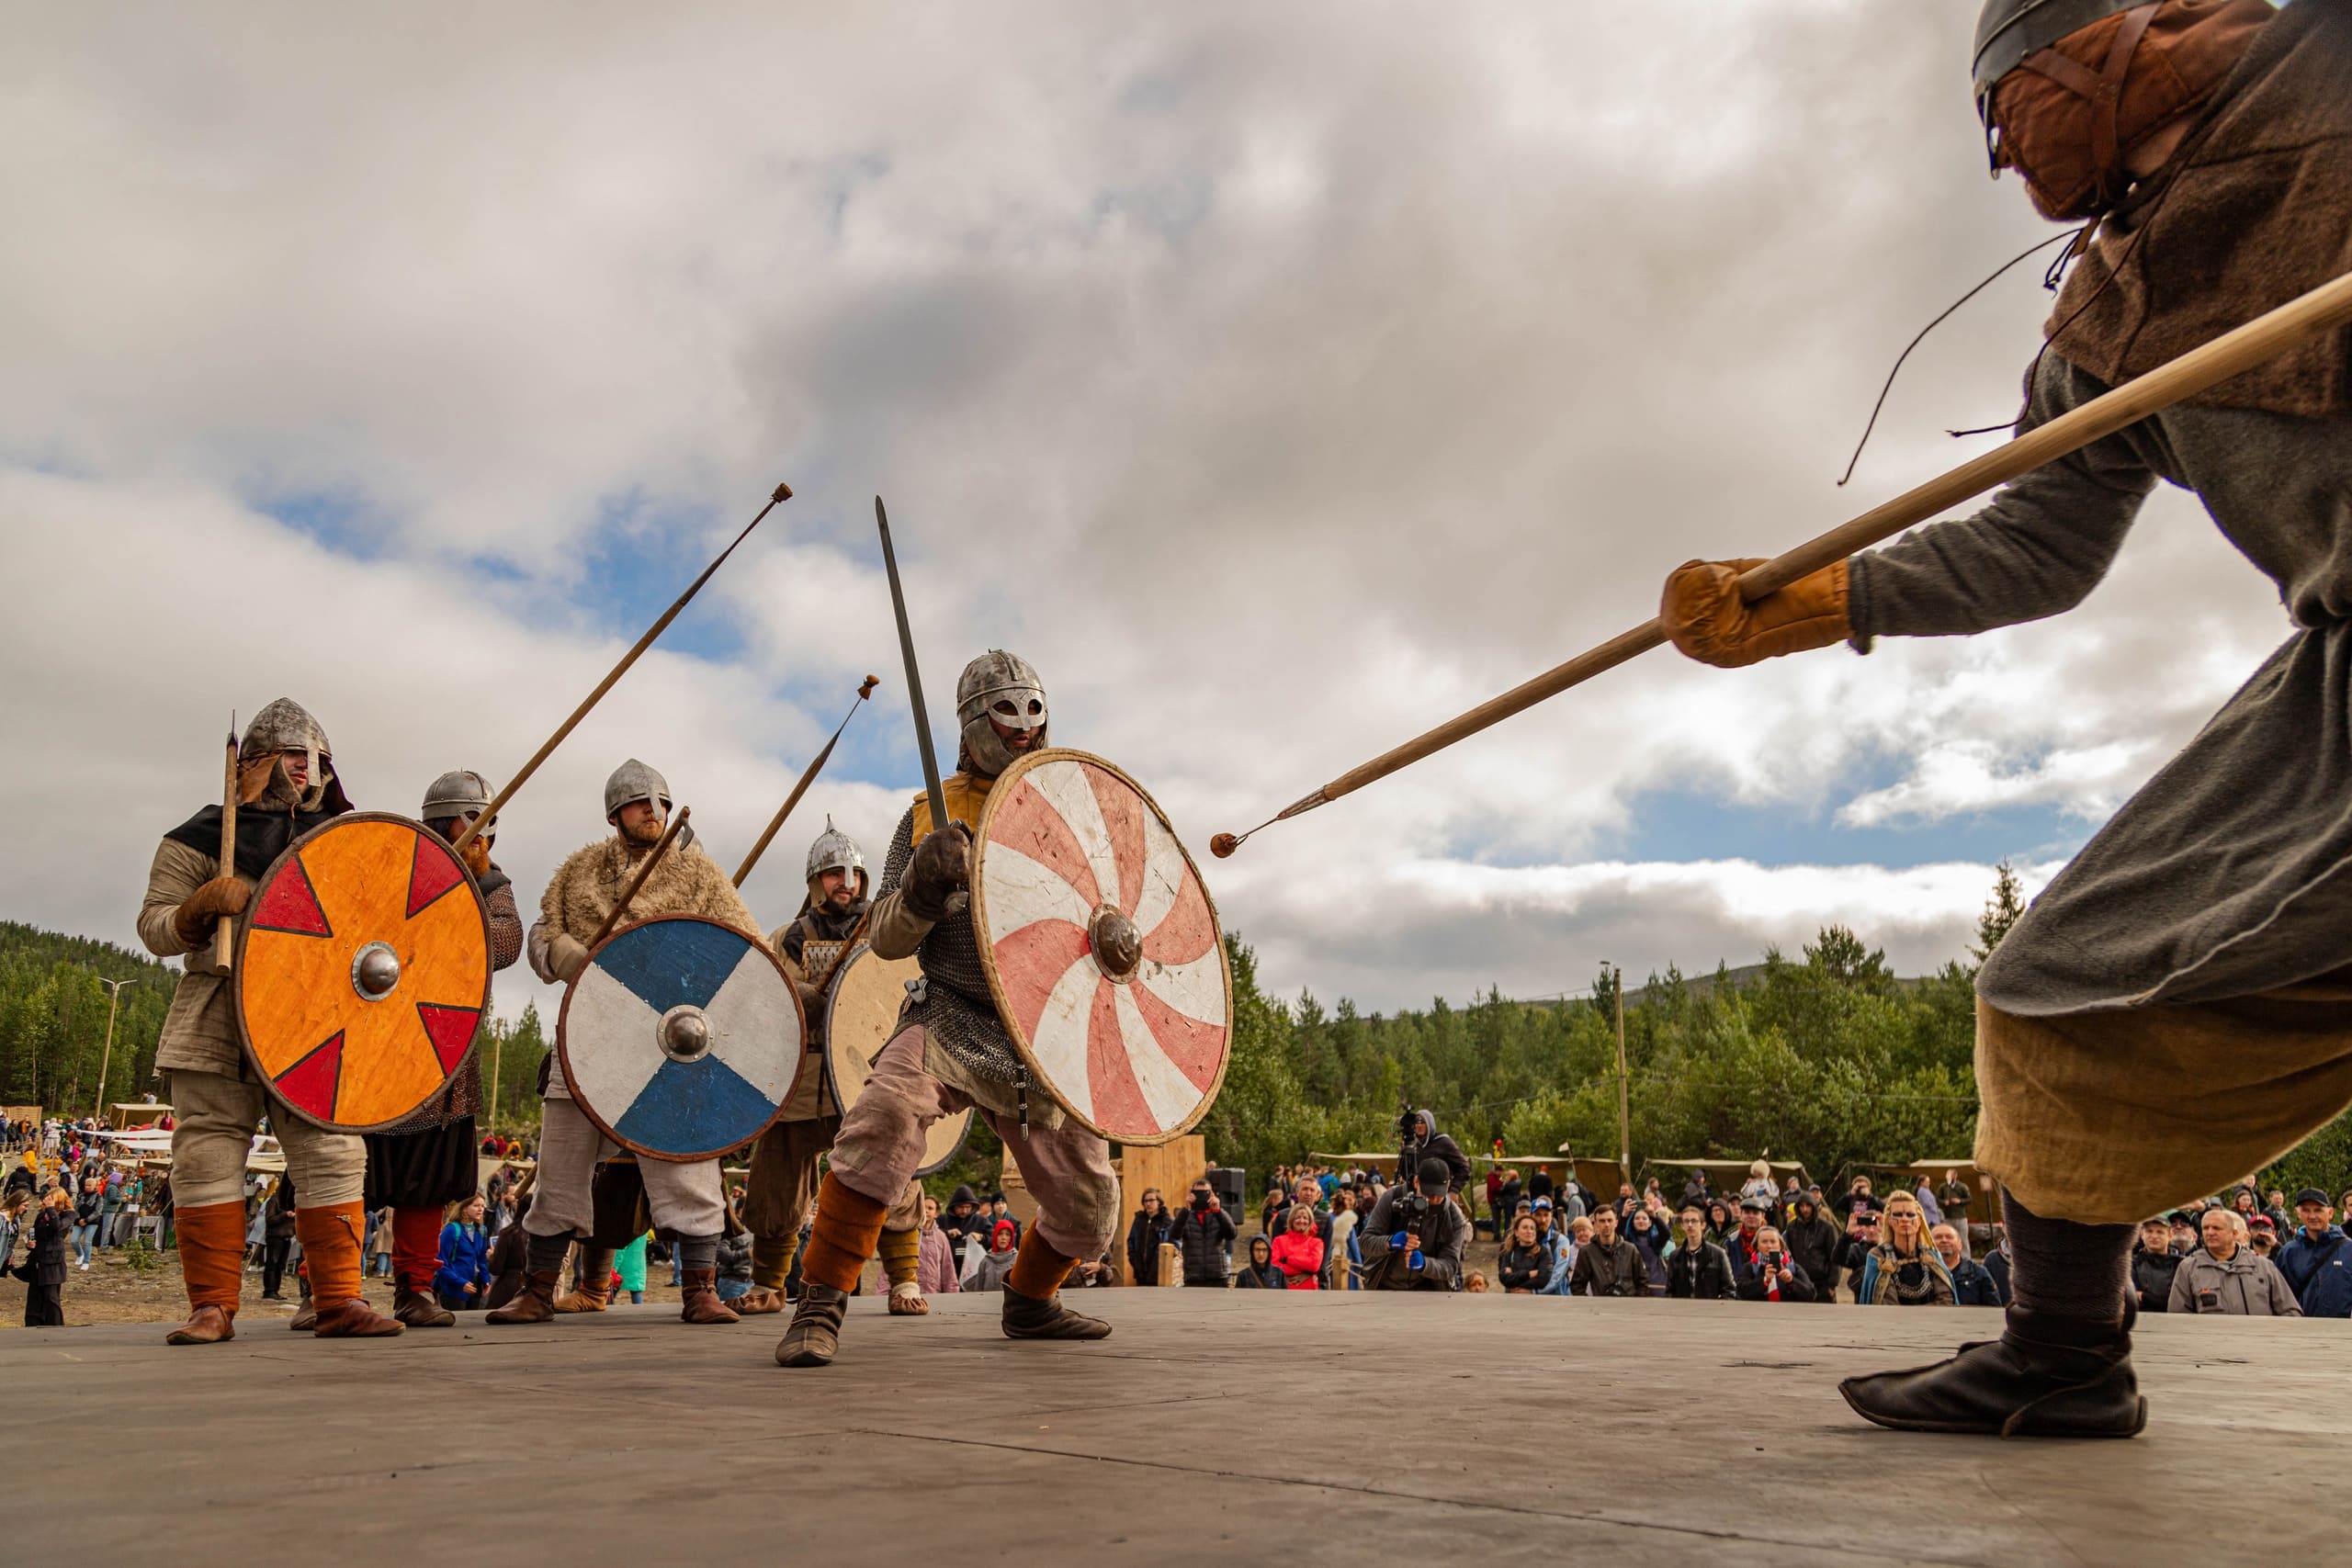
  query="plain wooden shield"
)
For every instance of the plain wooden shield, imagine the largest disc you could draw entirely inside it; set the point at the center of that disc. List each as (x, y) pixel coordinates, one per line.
(1101, 947)
(361, 970)
(681, 1039)
(861, 1014)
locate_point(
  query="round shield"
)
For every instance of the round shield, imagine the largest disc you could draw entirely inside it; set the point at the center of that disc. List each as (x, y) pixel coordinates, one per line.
(1101, 947)
(361, 972)
(861, 1014)
(681, 1039)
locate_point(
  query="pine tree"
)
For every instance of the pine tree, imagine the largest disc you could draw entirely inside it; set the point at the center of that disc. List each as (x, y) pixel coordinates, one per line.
(2002, 911)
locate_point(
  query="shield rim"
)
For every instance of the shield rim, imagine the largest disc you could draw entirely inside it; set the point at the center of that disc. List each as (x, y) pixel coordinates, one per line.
(858, 949)
(563, 1049)
(237, 976)
(998, 791)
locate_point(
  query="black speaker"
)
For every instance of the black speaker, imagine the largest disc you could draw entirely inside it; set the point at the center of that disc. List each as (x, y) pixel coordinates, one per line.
(1230, 1182)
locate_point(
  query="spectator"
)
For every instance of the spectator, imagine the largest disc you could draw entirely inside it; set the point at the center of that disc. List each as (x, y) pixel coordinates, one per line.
(1697, 1270)
(1539, 1186)
(1259, 1273)
(2153, 1263)
(1495, 1191)
(461, 1278)
(1856, 1196)
(1854, 1250)
(1424, 1142)
(1579, 1236)
(2185, 1237)
(1203, 1233)
(1758, 1186)
(1953, 1197)
(1341, 1257)
(1425, 1231)
(1609, 1267)
(1146, 1234)
(1524, 1266)
(734, 1264)
(1000, 1213)
(958, 1221)
(278, 1240)
(43, 1269)
(1298, 1251)
(989, 1273)
(86, 1205)
(2313, 1262)
(1903, 1269)
(1740, 1247)
(1812, 1242)
(1694, 1188)
(2262, 1234)
(2224, 1275)
(1971, 1285)
(1721, 1224)
(1776, 1277)
(628, 1263)
(1477, 1285)
(1650, 1241)
(1506, 1204)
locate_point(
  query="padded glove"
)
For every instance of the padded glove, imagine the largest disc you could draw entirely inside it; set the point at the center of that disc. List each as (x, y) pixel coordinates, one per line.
(1706, 618)
(193, 921)
(942, 865)
(567, 956)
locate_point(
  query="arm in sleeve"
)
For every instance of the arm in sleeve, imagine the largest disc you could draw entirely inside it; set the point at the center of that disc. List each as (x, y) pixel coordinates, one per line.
(2282, 1298)
(891, 928)
(2183, 1298)
(536, 951)
(175, 872)
(506, 928)
(789, 945)
(1800, 1287)
(1867, 1285)
(2036, 549)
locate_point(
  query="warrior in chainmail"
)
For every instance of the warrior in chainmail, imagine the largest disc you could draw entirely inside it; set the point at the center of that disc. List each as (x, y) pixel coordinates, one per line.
(783, 1181)
(950, 1053)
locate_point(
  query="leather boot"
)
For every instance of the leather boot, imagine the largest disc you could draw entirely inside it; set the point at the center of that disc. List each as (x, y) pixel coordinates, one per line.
(354, 1319)
(306, 1317)
(207, 1324)
(1026, 1317)
(329, 1237)
(535, 1302)
(212, 1255)
(698, 1297)
(816, 1331)
(907, 1301)
(419, 1310)
(596, 1284)
(757, 1302)
(2044, 1377)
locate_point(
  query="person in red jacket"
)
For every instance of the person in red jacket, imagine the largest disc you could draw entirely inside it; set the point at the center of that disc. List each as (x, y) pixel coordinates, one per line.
(1298, 1251)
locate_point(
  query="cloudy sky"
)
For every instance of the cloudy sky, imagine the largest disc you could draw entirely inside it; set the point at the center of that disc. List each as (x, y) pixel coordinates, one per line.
(1280, 379)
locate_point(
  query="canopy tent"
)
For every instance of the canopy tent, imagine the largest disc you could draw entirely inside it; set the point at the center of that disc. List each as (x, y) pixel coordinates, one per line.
(147, 1146)
(1385, 1159)
(137, 1112)
(1736, 1169)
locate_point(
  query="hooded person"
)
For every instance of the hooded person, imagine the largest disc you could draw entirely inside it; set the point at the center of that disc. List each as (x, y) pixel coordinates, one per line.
(1415, 1236)
(686, 1200)
(951, 1051)
(2174, 1008)
(782, 1183)
(1812, 1241)
(287, 784)
(427, 1162)
(1423, 1140)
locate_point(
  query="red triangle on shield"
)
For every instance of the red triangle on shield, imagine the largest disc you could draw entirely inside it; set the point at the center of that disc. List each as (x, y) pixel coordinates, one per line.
(451, 1029)
(290, 904)
(432, 872)
(309, 1086)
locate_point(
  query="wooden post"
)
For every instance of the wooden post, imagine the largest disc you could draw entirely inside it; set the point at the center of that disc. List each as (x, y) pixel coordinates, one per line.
(497, 1054)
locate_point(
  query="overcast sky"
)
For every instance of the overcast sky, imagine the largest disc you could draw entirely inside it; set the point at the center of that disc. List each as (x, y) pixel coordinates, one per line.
(1280, 379)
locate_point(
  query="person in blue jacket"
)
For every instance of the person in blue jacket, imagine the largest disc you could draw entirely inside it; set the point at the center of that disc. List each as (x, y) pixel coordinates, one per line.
(2318, 1262)
(462, 1279)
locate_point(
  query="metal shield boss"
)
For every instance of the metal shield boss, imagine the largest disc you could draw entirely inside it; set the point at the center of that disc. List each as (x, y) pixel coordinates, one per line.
(361, 972)
(1101, 947)
(861, 1015)
(681, 1039)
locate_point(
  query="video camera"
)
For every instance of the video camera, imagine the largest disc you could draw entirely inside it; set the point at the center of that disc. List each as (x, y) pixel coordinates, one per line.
(1409, 1140)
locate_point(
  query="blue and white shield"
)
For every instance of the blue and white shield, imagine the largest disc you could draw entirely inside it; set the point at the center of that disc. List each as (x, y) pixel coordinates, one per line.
(682, 1038)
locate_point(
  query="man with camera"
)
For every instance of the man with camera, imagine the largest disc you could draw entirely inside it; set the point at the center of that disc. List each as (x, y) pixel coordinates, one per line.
(1414, 1236)
(1417, 1131)
(1203, 1233)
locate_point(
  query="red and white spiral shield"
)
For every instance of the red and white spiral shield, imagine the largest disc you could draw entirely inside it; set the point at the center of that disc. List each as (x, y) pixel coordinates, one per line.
(1102, 947)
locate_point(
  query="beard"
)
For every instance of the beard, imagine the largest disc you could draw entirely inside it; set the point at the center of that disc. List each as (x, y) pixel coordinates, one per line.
(646, 834)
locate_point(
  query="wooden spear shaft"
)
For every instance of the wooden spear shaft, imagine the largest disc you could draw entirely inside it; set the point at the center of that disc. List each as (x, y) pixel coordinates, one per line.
(224, 934)
(660, 848)
(490, 813)
(2232, 353)
(808, 777)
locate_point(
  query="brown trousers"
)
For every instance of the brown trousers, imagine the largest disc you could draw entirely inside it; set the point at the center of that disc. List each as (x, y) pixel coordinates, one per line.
(2105, 1118)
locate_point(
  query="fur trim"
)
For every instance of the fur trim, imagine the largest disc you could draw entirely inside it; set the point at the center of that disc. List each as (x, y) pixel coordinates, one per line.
(687, 882)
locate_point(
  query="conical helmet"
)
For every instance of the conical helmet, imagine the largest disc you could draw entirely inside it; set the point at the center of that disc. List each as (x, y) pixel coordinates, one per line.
(1001, 686)
(460, 792)
(285, 725)
(834, 850)
(631, 781)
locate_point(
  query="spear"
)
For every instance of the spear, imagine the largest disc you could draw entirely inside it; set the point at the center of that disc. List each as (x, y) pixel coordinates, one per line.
(223, 938)
(660, 848)
(808, 777)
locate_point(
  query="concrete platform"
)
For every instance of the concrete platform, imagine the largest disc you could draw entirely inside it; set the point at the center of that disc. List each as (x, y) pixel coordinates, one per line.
(1229, 1426)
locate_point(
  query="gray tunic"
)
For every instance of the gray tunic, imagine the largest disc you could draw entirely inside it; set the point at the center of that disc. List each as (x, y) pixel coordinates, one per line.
(2231, 871)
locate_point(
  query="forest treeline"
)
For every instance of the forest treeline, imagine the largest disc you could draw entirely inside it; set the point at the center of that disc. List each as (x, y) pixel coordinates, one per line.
(1824, 1056)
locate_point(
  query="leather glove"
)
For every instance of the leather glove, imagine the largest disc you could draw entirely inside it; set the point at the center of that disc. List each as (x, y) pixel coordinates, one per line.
(193, 921)
(567, 956)
(1706, 618)
(942, 865)
(476, 854)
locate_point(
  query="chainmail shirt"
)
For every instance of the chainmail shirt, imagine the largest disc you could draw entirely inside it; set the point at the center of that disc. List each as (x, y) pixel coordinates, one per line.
(955, 1005)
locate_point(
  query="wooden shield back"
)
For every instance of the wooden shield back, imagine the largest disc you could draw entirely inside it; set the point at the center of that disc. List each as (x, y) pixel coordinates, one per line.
(644, 1096)
(1071, 856)
(330, 1052)
(862, 1013)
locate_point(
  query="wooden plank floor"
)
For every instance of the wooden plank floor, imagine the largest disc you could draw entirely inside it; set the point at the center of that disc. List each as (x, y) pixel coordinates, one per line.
(1211, 1427)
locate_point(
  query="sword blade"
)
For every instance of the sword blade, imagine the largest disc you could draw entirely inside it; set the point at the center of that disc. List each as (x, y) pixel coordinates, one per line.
(937, 796)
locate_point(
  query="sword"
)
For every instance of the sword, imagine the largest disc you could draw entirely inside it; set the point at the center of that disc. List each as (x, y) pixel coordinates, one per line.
(937, 796)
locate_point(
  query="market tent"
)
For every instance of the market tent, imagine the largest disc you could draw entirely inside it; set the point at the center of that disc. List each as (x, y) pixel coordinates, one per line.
(1736, 1170)
(137, 1114)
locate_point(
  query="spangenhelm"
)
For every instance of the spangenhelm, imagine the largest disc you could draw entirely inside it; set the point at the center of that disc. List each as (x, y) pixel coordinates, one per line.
(461, 793)
(1001, 686)
(633, 781)
(285, 725)
(2008, 30)
(834, 850)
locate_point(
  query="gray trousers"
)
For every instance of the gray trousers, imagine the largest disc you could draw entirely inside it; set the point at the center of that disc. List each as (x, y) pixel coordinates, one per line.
(686, 1198)
(217, 1116)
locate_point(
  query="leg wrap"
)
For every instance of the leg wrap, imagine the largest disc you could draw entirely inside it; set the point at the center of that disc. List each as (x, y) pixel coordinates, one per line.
(1037, 1269)
(212, 1250)
(2059, 1268)
(330, 1235)
(416, 1246)
(848, 1225)
(899, 1251)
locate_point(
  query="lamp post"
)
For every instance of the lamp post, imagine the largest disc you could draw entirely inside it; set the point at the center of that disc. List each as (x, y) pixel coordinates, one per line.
(114, 990)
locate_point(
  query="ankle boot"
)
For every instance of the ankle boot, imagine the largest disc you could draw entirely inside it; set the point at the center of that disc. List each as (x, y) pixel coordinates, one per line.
(596, 1284)
(1026, 1317)
(816, 1332)
(419, 1310)
(207, 1324)
(212, 1257)
(305, 1318)
(535, 1302)
(354, 1319)
(2044, 1377)
(699, 1298)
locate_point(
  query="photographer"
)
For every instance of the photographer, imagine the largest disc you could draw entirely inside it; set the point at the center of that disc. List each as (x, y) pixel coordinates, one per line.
(1418, 1131)
(1414, 1236)
(1777, 1277)
(1203, 1233)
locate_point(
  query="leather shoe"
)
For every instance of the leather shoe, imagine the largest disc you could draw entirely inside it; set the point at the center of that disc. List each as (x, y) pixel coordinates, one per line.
(816, 1332)
(1026, 1317)
(2044, 1377)
(418, 1310)
(354, 1319)
(205, 1325)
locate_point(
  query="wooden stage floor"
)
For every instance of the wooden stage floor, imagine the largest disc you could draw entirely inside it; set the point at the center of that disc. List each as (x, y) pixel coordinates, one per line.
(1211, 1427)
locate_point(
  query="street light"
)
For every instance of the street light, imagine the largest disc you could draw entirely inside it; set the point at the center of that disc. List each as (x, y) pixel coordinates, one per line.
(106, 1061)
